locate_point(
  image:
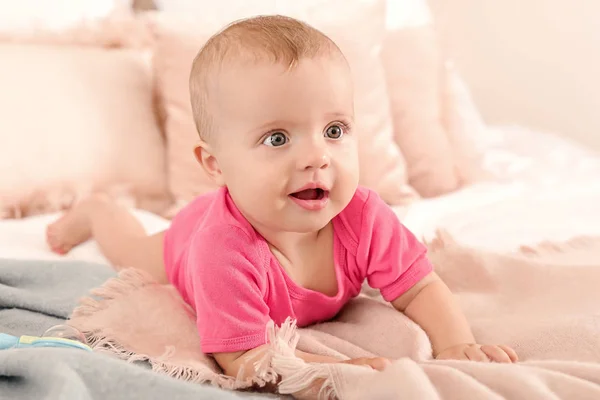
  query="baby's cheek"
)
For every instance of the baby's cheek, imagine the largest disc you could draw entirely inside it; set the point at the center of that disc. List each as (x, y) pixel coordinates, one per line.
(349, 173)
(349, 163)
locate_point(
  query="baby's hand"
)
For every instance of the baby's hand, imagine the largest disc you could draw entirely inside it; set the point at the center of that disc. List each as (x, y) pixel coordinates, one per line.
(476, 352)
(378, 363)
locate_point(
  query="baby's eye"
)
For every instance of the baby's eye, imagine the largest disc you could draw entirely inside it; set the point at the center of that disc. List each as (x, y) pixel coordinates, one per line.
(334, 131)
(276, 139)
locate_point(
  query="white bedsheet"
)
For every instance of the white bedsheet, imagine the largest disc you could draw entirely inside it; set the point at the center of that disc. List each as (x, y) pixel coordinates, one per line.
(503, 217)
(25, 238)
(545, 188)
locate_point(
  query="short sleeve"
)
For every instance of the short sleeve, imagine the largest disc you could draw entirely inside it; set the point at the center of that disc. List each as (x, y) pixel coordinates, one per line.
(228, 280)
(395, 259)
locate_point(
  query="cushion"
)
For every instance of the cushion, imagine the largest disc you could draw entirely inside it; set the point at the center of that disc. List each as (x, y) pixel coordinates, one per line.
(104, 23)
(434, 120)
(76, 120)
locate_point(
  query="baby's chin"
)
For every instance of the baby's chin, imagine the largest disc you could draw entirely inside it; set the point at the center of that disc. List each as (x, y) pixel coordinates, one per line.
(309, 222)
(306, 228)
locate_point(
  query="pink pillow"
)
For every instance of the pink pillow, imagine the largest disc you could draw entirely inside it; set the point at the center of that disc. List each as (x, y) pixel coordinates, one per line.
(174, 49)
(76, 120)
(178, 41)
(415, 79)
(467, 132)
(429, 109)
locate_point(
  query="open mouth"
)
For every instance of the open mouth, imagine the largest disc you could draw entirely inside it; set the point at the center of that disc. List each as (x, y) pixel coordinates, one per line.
(310, 194)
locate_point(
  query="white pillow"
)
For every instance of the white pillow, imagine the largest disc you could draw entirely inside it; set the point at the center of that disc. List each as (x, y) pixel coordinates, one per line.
(75, 120)
(26, 15)
(407, 14)
(225, 12)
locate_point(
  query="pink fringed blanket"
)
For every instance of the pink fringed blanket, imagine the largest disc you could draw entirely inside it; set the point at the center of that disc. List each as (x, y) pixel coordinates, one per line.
(543, 301)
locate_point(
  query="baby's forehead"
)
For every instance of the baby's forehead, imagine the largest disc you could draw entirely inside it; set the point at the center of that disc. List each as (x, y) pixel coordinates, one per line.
(232, 74)
(311, 90)
(251, 64)
(266, 75)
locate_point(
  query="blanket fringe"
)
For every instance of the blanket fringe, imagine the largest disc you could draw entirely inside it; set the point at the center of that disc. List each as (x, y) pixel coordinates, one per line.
(196, 372)
(444, 240)
(127, 280)
(280, 360)
(548, 247)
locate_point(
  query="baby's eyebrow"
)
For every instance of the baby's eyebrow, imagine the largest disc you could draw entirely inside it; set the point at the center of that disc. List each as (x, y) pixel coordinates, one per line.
(336, 115)
(271, 125)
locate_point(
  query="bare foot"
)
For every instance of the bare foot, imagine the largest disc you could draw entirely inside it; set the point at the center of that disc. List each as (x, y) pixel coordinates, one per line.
(74, 227)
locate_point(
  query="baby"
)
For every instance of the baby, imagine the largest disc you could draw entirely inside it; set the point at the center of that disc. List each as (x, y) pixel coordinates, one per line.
(289, 233)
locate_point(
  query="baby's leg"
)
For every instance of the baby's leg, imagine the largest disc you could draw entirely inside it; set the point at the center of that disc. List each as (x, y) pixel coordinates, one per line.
(119, 235)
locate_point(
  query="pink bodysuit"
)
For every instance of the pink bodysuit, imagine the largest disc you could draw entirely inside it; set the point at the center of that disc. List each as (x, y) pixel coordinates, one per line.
(225, 270)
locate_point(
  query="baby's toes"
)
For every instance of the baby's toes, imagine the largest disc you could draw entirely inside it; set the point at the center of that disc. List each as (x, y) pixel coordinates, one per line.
(50, 236)
(54, 240)
(57, 248)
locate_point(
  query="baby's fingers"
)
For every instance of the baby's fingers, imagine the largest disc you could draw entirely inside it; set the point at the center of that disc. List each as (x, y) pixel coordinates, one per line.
(377, 363)
(496, 354)
(511, 353)
(474, 353)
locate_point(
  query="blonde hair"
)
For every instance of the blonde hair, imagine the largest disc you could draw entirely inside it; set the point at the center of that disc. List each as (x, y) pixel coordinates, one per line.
(278, 39)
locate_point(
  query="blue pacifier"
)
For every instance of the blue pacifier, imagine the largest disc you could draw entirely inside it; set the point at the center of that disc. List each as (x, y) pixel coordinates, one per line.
(64, 336)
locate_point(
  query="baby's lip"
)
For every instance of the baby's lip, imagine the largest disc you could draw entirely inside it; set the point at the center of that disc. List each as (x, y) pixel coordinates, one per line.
(312, 185)
(315, 201)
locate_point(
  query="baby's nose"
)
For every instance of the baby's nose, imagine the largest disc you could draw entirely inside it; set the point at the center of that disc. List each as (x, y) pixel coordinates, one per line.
(315, 157)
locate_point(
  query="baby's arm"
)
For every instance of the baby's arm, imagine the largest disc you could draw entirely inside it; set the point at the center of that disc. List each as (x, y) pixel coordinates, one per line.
(431, 305)
(396, 263)
(233, 363)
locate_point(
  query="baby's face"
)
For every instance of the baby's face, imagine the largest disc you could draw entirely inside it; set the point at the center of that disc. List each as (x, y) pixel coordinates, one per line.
(285, 143)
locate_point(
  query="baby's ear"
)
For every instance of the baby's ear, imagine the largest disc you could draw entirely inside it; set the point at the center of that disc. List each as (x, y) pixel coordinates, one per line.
(209, 162)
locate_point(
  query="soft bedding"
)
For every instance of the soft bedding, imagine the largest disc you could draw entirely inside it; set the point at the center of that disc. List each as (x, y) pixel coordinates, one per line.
(35, 295)
(25, 238)
(544, 187)
(542, 301)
